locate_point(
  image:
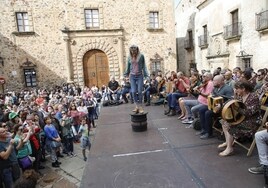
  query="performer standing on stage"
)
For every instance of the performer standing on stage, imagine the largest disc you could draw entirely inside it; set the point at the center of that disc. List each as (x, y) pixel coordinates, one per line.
(136, 70)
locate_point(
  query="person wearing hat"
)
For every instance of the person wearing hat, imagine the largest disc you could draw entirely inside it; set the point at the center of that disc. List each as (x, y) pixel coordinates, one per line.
(13, 119)
(136, 71)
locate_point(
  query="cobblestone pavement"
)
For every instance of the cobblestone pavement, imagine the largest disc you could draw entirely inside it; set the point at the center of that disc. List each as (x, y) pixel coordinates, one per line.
(70, 172)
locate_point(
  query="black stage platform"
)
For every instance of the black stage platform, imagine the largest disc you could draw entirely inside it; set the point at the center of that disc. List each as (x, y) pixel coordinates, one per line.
(167, 155)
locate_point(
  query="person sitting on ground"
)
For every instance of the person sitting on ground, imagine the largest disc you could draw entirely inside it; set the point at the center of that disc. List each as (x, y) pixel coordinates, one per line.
(150, 88)
(126, 88)
(248, 127)
(261, 138)
(113, 89)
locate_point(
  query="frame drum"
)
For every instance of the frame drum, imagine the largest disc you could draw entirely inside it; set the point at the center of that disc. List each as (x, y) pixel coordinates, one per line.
(230, 112)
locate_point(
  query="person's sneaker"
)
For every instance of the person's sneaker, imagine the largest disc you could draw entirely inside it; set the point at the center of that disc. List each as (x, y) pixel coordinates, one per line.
(147, 104)
(85, 159)
(189, 126)
(55, 165)
(187, 121)
(41, 167)
(58, 163)
(60, 155)
(199, 133)
(73, 154)
(257, 170)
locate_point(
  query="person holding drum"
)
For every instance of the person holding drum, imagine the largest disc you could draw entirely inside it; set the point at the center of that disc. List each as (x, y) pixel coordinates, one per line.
(261, 138)
(251, 111)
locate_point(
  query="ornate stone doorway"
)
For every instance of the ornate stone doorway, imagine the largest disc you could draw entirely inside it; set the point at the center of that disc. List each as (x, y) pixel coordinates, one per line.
(96, 68)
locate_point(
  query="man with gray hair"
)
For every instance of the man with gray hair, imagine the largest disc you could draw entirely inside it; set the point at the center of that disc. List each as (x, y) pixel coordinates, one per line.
(206, 116)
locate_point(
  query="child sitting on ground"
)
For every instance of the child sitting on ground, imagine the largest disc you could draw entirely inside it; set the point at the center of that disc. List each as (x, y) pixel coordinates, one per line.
(84, 133)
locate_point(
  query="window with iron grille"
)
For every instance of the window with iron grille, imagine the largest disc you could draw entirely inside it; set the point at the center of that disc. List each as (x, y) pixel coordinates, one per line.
(155, 66)
(22, 21)
(30, 77)
(247, 62)
(154, 20)
(92, 18)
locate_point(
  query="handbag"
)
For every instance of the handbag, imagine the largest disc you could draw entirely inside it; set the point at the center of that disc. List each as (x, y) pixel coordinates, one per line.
(25, 162)
(55, 144)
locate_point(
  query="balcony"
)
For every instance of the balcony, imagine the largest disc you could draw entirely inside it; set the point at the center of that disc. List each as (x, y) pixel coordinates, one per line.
(188, 44)
(203, 41)
(262, 21)
(232, 31)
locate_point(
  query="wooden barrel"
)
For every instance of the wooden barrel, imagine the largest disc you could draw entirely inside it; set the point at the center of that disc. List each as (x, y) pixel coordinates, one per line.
(139, 122)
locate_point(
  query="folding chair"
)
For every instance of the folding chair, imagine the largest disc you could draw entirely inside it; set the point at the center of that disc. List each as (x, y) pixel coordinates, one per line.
(253, 143)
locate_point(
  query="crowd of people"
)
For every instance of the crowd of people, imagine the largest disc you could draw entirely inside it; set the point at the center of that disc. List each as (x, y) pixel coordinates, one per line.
(40, 121)
(34, 123)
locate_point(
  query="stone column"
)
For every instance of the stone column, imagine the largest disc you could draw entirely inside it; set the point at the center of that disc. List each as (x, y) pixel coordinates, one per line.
(68, 58)
(121, 56)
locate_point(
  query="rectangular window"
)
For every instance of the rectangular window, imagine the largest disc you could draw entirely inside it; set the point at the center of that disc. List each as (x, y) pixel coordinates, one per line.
(205, 34)
(22, 21)
(155, 66)
(247, 62)
(92, 18)
(30, 77)
(153, 20)
(235, 22)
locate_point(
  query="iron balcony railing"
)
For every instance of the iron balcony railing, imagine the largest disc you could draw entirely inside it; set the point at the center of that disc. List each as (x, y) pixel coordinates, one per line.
(203, 41)
(232, 31)
(262, 21)
(188, 44)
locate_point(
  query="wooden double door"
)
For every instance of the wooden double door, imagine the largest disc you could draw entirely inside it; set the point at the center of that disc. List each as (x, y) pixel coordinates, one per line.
(96, 68)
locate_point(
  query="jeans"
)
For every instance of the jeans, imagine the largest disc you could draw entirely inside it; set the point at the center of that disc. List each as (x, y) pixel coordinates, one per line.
(188, 104)
(148, 92)
(6, 177)
(206, 117)
(261, 142)
(136, 82)
(124, 92)
(172, 99)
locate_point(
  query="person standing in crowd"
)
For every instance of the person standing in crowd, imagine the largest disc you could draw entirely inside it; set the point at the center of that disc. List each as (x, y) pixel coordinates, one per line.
(9, 168)
(85, 140)
(136, 70)
(53, 141)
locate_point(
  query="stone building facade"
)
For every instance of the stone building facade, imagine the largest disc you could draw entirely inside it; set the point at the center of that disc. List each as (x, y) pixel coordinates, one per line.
(226, 34)
(50, 42)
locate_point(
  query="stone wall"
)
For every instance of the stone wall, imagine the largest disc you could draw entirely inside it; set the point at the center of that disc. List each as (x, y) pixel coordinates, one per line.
(221, 52)
(59, 39)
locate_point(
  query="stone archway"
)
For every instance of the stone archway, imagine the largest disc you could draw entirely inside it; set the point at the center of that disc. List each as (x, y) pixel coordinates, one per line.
(113, 61)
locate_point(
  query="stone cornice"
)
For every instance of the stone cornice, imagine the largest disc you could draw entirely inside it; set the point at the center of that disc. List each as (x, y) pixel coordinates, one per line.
(218, 56)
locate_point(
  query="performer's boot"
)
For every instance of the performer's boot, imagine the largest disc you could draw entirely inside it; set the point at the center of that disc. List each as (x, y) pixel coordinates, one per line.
(136, 110)
(141, 111)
